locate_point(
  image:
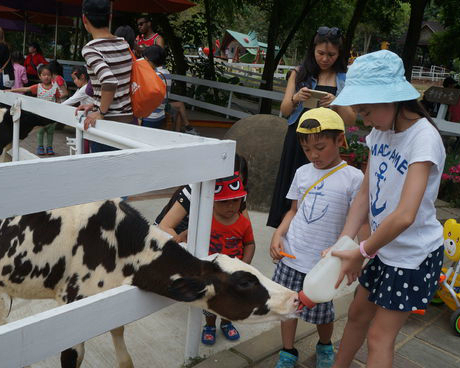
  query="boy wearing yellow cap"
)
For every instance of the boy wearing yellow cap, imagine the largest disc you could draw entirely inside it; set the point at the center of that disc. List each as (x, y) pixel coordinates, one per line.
(321, 193)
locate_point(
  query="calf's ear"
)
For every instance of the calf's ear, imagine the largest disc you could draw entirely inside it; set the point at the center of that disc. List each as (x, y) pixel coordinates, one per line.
(186, 289)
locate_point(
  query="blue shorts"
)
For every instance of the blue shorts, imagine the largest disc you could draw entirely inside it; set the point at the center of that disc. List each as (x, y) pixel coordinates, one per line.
(322, 313)
(403, 289)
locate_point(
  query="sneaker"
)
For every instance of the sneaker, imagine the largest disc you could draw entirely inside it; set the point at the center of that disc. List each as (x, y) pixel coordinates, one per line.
(230, 332)
(324, 356)
(40, 151)
(49, 151)
(190, 130)
(208, 336)
(286, 360)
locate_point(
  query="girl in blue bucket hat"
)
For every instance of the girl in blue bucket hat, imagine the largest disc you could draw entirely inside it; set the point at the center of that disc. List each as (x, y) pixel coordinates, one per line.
(397, 198)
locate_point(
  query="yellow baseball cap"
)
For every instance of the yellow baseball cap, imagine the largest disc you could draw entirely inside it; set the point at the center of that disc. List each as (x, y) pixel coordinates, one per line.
(327, 118)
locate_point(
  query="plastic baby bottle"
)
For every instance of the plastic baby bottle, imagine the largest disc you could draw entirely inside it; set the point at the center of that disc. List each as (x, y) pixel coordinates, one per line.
(319, 283)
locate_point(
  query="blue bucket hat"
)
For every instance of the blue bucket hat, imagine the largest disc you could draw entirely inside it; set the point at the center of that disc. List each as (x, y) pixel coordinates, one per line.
(377, 77)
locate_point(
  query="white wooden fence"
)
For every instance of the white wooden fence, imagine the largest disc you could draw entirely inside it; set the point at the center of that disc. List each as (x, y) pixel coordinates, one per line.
(228, 110)
(149, 159)
(433, 73)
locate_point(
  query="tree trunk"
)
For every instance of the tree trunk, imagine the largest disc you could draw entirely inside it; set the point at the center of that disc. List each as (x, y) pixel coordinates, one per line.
(175, 44)
(367, 42)
(417, 8)
(272, 61)
(357, 14)
(207, 7)
(294, 29)
(270, 66)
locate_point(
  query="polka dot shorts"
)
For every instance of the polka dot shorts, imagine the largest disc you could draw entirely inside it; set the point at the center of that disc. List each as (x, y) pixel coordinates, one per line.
(402, 289)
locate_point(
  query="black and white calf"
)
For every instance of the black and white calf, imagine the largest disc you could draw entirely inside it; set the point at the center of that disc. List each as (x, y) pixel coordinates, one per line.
(73, 252)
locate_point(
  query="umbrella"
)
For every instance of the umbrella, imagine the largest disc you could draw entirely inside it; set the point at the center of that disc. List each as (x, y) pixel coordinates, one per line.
(38, 8)
(17, 25)
(144, 6)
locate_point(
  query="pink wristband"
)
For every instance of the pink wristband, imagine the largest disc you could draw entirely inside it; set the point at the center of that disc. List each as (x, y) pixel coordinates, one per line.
(363, 251)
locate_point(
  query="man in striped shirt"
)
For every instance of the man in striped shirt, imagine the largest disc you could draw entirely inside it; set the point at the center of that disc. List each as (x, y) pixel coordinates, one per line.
(109, 62)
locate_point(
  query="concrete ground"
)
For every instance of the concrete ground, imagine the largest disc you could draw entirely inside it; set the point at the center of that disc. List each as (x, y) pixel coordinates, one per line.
(158, 340)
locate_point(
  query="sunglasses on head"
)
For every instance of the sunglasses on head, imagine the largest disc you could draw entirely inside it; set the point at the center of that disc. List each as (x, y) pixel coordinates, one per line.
(326, 31)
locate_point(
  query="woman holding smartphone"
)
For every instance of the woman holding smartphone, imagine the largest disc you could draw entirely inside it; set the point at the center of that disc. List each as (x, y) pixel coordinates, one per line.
(323, 69)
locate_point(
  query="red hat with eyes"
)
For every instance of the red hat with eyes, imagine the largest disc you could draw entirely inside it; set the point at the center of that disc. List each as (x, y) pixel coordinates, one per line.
(229, 188)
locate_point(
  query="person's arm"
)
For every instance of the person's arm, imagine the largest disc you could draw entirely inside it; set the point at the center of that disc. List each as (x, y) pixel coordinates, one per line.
(394, 224)
(277, 243)
(109, 84)
(173, 218)
(291, 97)
(24, 76)
(248, 253)
(64, 92)
(21, 89)
(160, 41)
(346, 113)
(77, 97)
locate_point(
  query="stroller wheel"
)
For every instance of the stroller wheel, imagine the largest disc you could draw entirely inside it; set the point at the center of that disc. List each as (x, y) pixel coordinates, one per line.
(455, 321)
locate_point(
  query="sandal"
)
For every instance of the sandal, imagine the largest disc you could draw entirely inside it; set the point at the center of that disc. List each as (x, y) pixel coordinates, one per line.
(208, 336)
(40, 151)
(230, 332)
(49, 151)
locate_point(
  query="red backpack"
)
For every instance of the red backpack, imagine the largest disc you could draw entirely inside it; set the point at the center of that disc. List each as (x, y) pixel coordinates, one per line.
(147, 90)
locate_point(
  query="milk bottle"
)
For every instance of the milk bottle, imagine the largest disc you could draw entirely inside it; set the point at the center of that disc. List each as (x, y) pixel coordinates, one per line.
(319, 283)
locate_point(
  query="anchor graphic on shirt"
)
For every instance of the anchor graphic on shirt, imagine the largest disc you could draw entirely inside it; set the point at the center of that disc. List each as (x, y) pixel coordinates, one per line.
(374, 209)
(309, 218)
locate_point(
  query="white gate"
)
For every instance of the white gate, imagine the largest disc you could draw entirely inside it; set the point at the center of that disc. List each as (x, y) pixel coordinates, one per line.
(149, 159)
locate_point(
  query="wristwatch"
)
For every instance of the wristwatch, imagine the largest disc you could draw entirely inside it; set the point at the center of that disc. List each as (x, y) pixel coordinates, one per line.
(100, 111)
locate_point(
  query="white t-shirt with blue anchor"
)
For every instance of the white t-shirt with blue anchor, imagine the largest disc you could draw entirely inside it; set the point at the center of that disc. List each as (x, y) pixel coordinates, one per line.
(391, 155)
(321, 215)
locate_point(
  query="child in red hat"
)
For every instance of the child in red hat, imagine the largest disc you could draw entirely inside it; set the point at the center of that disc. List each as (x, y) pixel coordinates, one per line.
(231, 234)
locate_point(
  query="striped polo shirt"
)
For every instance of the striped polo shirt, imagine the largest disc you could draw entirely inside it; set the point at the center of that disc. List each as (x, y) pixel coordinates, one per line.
(109, 61)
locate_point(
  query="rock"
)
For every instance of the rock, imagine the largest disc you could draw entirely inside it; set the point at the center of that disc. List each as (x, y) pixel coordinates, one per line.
(260, 141)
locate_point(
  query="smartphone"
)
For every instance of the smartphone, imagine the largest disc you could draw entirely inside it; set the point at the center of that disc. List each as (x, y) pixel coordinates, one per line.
(315, 97)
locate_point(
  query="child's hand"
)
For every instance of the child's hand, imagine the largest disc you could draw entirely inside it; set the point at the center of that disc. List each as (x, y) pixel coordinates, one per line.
(325, 251)
(181, 238)
(352, 263)
(84, 108)
(276, 246)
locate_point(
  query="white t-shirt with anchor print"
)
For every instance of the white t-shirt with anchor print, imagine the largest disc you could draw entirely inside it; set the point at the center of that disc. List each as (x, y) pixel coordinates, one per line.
(391, 155)
(321, 215)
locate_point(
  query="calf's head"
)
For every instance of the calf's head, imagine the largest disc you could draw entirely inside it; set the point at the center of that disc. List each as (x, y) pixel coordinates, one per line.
(235, 291)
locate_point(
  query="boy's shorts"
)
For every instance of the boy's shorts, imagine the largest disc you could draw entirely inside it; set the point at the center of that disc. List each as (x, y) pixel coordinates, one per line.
(322, 313)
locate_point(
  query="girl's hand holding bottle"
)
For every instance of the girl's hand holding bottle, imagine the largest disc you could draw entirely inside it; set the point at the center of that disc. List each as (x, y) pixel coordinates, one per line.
(352, 264)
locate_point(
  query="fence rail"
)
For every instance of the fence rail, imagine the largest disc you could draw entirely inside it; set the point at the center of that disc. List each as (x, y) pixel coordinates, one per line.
(231, 88)
(150, 159)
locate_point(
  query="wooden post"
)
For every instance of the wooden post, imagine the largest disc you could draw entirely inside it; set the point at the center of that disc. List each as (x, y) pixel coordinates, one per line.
(15, 111)
(199, 234)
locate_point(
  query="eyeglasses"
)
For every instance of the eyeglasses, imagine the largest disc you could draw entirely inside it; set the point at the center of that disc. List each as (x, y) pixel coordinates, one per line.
(140, 24)
(333, 32)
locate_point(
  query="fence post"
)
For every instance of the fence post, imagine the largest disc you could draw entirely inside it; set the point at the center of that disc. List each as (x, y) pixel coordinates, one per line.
(15, 111)
(198, 243)
(79, 136)
(229, 105)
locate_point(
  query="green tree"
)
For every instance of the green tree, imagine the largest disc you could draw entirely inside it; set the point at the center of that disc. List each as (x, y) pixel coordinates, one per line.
(444, 46)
